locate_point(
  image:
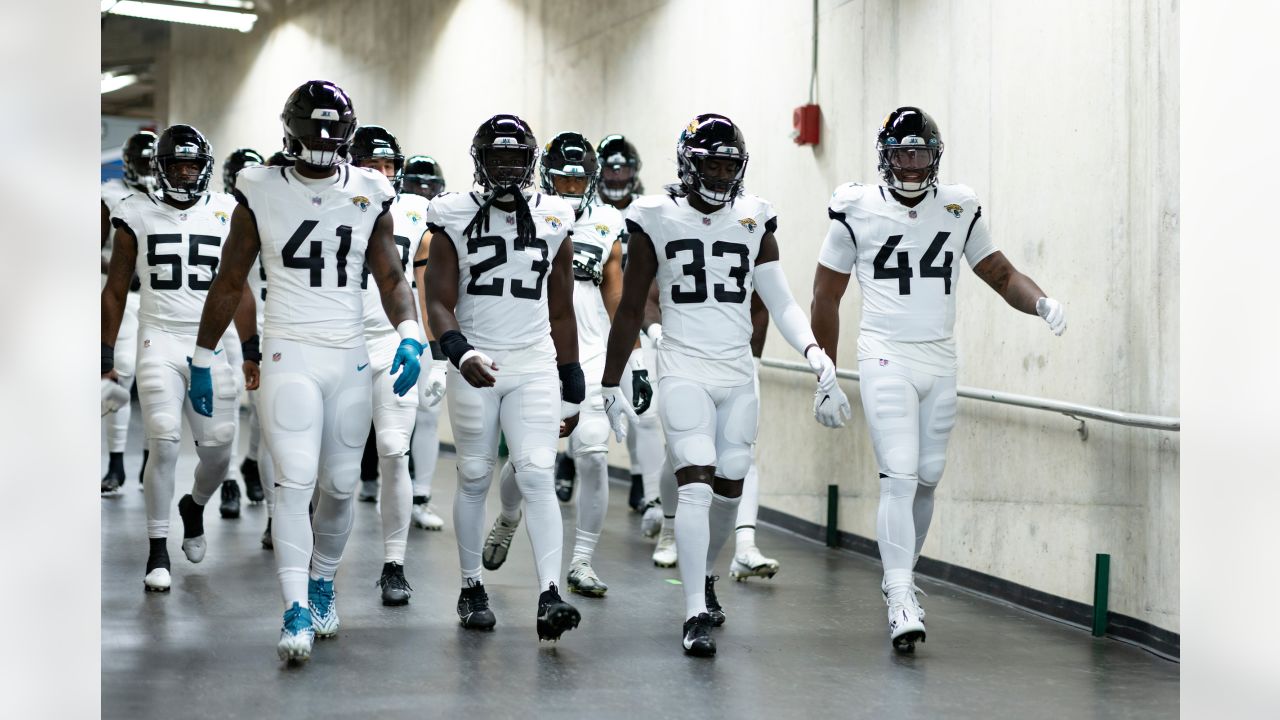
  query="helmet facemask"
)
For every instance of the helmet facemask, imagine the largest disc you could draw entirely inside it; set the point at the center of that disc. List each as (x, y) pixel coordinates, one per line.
(505, 170)
(184, 174)
(320, 140)
(617, 180)
(716, 178)
(910, 167)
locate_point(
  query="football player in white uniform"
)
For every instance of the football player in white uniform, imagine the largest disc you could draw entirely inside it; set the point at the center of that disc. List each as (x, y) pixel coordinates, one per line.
(174, 246)
(136, 157)
(619, 185)
(570, 170)
(904, 239)
(316, 225)
(423, 176)
(709, 245)
(501, 277)
(238, 160)
(393, 415)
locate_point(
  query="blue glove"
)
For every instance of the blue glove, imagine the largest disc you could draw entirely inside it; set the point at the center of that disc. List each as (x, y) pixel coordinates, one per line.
(201, 390)
(406, 358)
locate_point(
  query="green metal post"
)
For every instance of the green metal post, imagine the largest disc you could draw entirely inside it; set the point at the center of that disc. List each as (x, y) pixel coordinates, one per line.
(1101, 587)
(833, 512)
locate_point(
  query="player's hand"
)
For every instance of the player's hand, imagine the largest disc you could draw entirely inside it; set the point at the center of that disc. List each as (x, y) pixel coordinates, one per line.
(569, 417)
(641, 390)
(475, 367)
(1053, 313)
(822, 367)
(406, 362)
(616, 406)
(114, 395)
(201, 390)
(433, 389)
(654, 332)
(831, 408)
(252, 375)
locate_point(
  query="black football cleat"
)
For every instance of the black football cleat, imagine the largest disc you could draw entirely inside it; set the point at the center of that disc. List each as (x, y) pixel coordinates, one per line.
(714, 611)
(473, 608)
(112, 481)
(230, 506)
(252, 480)
(267, 542)
(555, 616)
(697, 636)
(395, 589)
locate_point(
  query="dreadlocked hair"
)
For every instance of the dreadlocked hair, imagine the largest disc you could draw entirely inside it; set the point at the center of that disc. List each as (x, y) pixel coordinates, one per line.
(525, 229)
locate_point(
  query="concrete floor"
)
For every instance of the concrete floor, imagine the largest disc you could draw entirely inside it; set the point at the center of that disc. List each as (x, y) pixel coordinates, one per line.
(812, 641)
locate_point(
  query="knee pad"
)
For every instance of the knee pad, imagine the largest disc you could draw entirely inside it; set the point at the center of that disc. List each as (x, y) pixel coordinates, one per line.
(734, 463)
(474, 469)
(931, 470)
(898, 486)
(338, 478)
(535, 459)
(295, 469)
(392, 443)
(161, 417)
(353, 416)
(591, 435)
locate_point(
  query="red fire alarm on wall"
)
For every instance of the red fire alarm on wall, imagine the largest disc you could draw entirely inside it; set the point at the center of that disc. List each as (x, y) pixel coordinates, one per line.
(804, 123)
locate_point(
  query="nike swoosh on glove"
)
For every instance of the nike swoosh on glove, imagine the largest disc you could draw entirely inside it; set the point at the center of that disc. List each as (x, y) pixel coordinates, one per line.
(822, 367)
(831, 408)
(1053, 313)
(406, 361)
(616, 405)
(201, 390)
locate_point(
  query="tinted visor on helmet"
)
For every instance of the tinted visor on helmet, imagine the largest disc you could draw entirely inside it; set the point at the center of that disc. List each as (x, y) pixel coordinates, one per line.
(428, 186)
(323, 134)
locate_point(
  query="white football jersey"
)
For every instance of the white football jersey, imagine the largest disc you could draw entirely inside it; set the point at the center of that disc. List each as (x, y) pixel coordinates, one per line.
(502, 293)
(314, 235)
(409, 214)
(114, 191)
(705, 266)
(594, 235)
(258, 286)
(178, 255)
(905, 261)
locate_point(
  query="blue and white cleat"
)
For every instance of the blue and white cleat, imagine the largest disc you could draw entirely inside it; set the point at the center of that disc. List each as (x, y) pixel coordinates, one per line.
(324, 608)
(297, 635)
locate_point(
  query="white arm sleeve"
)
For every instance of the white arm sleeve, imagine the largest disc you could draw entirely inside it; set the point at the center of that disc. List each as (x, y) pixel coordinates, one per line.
(771, 284)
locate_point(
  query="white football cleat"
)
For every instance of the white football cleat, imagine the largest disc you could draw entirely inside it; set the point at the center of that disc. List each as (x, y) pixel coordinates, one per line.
(664, 555)
(425, 517)
(651, 523)
(157, 580)
(194, 548)
(752, 563)
(324, 607)
(906, 619)
(297, 635)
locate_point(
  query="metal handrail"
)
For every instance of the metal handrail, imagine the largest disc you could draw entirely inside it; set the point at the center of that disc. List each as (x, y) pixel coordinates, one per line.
(1071, 410)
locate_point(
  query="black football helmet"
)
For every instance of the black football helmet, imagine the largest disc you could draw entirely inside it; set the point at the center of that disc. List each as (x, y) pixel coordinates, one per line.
(619, 168)
(909, 141)
(569, 154)
(136, 155)
(279, 159)
(504, 152)
(376, 142)
(182, 144)
(238, 160)
(318, 120)
(422, 176)
(711, 136)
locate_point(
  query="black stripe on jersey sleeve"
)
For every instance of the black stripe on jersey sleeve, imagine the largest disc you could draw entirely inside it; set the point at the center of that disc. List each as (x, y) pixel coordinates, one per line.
(120, 224)
(976, 215)
(633, 227)
(244, 202)
(839, 217)
(346, 174)
(771, 225)
(386, 208)
(284, 174)
(538, 202)
(434, 228)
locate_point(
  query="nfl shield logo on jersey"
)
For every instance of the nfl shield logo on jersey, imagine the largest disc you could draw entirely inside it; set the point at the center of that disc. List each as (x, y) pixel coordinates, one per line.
(275, 357)
(361, 202)
(553, 222)
(749, 224)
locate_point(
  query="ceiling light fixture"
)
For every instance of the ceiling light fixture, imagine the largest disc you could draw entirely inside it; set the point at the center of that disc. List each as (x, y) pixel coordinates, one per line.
(112, 82)
(192, 12)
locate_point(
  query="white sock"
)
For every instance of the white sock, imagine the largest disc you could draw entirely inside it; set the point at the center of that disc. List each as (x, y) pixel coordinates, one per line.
(668, 489)
(542, 522)
(749, 508)
(292, 538)
(211, 470)
(651, 452)
(158, 488)
(744, 536)
(895, 523)
(509, 493)
(396, 505)
(593, 491)
(922, 513)
(468, 522)
(584, 547)
(331, 526)
(693, 536)
(425, 446)
(724, 511)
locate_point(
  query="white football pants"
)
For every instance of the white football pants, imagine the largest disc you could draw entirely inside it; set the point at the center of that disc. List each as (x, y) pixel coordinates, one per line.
(393, 419)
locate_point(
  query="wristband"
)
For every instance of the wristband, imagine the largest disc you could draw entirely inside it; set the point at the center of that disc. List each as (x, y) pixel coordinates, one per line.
(409, 330)
(108, 358)
(202, 357)
(455, 345)
(251, 349)
(436, 352)
(573, 384)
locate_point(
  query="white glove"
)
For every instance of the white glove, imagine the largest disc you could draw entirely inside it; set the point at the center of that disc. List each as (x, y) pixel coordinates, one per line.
(823, 368)
(1053, 313)
(654, 332)
(433, 389)
(831, 408)
(114, 396)
(616, 405)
